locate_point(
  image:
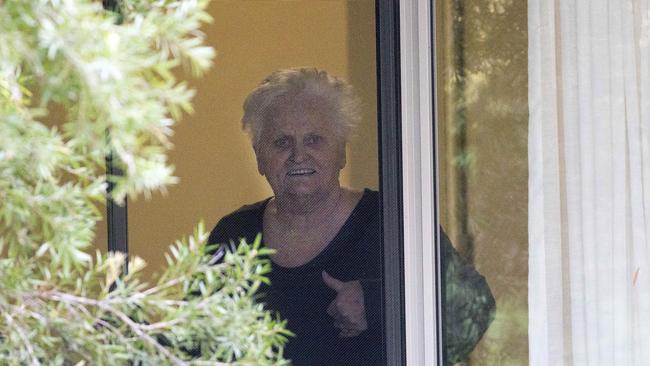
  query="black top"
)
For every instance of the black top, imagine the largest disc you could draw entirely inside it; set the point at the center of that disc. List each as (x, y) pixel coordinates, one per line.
(300, 295)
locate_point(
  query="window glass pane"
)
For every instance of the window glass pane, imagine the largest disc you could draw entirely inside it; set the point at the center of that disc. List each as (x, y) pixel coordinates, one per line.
(482, 137)
(219, 171)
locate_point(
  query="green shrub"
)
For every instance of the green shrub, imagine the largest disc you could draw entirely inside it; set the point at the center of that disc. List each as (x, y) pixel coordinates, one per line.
(113, 78)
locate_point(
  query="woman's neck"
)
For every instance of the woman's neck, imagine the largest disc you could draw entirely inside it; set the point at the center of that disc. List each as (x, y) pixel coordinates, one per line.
(307, 210)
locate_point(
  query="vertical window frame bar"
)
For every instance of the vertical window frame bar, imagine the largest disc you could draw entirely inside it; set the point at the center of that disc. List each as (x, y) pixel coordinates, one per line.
(390, 172)
(116, 215)
(420, 220)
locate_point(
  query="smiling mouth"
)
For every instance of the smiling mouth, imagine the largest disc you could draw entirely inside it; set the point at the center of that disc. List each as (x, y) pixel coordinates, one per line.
(300, 172)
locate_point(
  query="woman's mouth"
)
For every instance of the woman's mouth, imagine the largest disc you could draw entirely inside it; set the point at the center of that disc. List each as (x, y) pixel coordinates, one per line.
(300, 172)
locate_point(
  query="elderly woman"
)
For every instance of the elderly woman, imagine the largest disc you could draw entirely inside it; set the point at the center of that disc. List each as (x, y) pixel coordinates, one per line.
(326, 265)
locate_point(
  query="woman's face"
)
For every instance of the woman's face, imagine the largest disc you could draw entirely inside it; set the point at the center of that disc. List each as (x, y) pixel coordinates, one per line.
(299, 152)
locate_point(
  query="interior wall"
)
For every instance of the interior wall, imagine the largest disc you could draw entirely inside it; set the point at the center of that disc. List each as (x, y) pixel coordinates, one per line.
(213, 157)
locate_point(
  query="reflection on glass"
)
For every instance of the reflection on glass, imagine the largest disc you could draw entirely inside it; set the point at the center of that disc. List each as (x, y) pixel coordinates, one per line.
(482, 99)
(325, 276)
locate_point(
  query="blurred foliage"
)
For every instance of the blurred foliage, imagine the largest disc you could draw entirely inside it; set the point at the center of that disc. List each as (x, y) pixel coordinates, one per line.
(489, 53)
(469, 305)
(58, 304)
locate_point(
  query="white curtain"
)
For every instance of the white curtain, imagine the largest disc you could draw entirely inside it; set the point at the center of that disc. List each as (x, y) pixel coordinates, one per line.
(589, 182)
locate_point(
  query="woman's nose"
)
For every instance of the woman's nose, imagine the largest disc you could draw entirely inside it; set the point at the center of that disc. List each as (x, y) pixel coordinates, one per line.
(298, 153)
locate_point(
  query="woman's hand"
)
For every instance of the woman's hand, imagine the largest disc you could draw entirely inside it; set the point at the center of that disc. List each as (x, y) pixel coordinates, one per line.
(347, 309)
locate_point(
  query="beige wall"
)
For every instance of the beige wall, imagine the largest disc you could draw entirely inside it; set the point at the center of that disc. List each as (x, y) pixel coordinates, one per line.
(213, 158)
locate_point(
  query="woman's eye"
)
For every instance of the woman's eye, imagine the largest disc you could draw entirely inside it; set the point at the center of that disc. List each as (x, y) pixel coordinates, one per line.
(311, 140)
(281, 142)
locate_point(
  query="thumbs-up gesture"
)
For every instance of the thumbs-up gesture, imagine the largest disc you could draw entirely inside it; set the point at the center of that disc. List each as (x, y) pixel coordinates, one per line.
(347, 309)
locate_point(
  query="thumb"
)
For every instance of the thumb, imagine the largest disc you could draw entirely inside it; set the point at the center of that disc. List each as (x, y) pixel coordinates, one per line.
(332, 282)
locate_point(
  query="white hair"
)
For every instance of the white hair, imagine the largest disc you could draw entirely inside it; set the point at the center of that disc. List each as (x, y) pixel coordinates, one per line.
(285, 86)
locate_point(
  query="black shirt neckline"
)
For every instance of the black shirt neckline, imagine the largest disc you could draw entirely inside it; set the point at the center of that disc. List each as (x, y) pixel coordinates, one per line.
(341, 238)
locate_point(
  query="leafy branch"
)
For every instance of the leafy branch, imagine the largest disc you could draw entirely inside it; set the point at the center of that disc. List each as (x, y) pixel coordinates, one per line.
(116, 84)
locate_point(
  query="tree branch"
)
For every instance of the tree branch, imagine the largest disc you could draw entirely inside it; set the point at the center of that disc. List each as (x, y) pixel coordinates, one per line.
(138, 329)
(21, 334)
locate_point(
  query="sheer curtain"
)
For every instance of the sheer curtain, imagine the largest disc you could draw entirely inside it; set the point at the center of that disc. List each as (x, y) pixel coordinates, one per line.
(589, 182)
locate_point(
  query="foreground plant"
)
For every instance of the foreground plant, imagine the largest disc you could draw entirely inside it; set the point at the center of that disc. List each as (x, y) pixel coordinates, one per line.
(112, 75)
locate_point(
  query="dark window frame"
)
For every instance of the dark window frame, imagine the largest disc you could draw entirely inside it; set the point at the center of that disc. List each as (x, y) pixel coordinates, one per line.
(390, 183)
